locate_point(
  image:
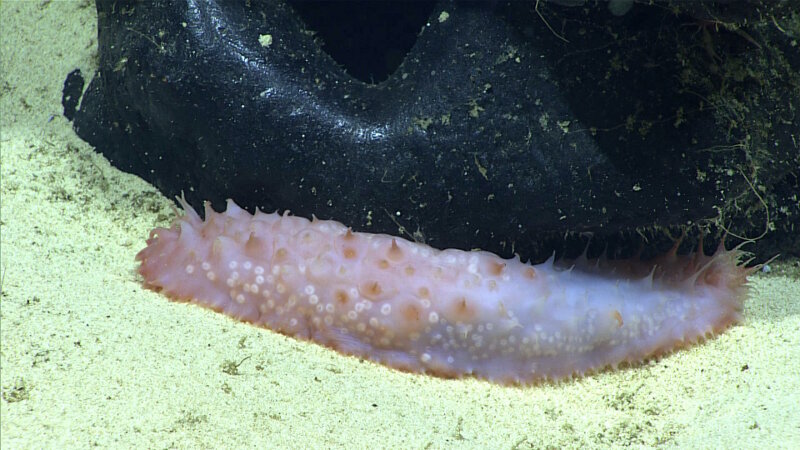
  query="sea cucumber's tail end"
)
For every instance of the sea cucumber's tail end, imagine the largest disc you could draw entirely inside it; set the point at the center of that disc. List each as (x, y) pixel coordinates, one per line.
(168, 248)
(154, 258)
(163, 242)
(726, 273)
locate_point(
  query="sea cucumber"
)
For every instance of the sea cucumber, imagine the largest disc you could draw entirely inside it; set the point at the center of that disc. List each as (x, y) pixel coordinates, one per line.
(449, 313)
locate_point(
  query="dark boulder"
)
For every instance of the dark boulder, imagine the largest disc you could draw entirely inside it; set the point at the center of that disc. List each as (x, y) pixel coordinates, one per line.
(503, 126)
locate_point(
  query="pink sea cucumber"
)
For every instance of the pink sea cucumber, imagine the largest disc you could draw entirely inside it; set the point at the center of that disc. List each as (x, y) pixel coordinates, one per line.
(449, 313)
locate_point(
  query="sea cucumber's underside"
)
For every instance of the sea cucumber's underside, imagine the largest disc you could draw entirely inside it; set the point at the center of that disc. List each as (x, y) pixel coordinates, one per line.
(449, 313)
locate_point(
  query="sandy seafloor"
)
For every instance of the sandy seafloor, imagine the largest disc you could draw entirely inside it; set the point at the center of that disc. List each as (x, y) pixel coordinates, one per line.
(90, 359)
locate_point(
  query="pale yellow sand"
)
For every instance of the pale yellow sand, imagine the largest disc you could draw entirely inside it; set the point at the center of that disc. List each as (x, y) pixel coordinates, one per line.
(91, 359)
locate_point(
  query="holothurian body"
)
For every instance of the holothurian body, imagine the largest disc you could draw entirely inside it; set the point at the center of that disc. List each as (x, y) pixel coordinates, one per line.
(449, 313)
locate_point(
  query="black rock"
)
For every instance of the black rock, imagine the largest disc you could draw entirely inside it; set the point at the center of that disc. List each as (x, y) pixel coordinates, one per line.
(502, 127)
